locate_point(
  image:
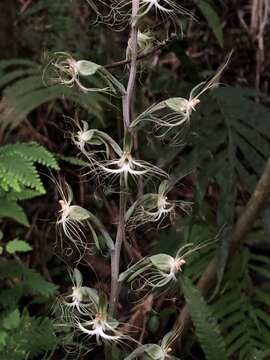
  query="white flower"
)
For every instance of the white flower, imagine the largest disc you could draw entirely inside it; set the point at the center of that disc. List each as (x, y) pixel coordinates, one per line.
(127, 165)
(82, 299)
(101, 325)
(71, 217)
(176, 112)
(155, 207)
(166, 9)
(94, 138)
(164, 269)
(82, 136)
(170, 6)
(68, 71)
(161, 269)
(155, 351)
(100, 328)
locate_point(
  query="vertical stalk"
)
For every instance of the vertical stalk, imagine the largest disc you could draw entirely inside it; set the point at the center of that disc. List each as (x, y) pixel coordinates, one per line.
(133, 67)
(126, 106)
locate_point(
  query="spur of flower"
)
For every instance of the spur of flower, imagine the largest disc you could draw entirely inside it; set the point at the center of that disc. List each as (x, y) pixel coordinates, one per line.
(176, 112)
(155, 207)
(68, 71)
(82, 299)
(160, 351)
(160, 270)
(100, 325)
(74, 219)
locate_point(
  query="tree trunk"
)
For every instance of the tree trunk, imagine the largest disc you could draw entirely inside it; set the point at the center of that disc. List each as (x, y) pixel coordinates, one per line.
(8, 11)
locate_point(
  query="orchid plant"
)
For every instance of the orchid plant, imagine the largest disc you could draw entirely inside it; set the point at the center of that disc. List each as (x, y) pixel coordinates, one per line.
(109, 161)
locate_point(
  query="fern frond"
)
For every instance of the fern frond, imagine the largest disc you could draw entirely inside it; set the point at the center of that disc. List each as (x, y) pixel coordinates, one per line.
(17, 166)
(242, 308)
(206, 326)
(15, 170)
(30, 337)
(31, 151)
(32, 282)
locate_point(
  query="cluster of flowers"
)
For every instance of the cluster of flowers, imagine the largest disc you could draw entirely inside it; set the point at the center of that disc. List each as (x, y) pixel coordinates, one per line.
(87, 311)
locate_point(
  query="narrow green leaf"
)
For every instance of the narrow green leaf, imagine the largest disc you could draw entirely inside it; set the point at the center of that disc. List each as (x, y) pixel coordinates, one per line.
(212, 18)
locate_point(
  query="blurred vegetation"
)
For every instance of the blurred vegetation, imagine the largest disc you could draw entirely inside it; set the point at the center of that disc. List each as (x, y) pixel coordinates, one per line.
(223, 155)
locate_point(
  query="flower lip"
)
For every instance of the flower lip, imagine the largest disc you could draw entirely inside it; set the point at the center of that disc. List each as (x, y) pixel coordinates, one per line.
(157, 5)
(127, 165)
(99, 328)
(77, 294)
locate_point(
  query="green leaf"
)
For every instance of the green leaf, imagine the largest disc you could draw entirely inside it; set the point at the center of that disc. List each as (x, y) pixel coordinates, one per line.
(31, 337)
(11, 209)
(212, 18)
(17, 246)
(33, 282)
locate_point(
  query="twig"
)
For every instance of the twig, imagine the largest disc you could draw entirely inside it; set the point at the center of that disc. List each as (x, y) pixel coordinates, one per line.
(139, 57)
(241, 229)
(25, 5)
(126, 101)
